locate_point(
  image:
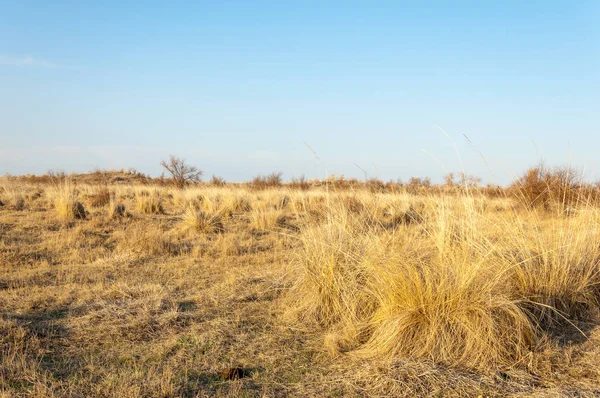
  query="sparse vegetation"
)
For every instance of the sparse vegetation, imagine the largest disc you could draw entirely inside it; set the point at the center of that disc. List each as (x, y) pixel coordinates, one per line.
(303, 289)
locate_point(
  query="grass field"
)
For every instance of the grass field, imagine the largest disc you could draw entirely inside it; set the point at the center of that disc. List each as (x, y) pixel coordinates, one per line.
(138, 290)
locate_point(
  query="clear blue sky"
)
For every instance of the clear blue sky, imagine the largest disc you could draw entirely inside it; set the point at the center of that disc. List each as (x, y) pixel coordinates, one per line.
(237, 87)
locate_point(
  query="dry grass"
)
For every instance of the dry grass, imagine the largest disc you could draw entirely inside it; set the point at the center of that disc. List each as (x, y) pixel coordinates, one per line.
(464, 287)
(200, 221)
(265, 219)
(116, 210)
(302, 293)
(100, 198)
(63, 196)
(149, 201)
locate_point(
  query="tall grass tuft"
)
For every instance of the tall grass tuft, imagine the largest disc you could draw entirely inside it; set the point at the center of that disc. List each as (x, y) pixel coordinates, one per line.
(201, 221)
(63, 196)
(462, 287)
(149, 202)
(453, 312)
(557, 267)
(263, 220)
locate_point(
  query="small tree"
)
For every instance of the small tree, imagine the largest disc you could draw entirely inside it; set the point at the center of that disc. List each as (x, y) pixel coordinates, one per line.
(181, 172)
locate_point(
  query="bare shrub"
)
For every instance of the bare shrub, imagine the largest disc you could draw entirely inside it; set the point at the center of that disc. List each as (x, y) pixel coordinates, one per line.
(272, 180)
(542, 187)
(218, 181)
(299, 183)
(375, 185)
(181, 172)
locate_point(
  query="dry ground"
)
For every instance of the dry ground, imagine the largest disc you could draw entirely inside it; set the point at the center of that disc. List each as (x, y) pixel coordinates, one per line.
(153, 292)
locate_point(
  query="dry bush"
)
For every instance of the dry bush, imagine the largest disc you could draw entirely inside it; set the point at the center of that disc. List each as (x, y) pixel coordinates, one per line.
(341, 183)
(299, 183)
(63, 196)
(272, 180)
(218, 181)
(181, 172)
(542, 187)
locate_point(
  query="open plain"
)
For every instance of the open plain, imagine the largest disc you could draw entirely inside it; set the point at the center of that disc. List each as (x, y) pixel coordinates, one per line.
(124, 289)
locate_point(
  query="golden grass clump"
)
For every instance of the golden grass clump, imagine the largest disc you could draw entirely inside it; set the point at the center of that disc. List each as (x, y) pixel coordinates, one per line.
(331, 272)
(265, 219)
(241, 204)
(462, 286)
(63, 196)
(200, 221)
(434, 292)
(558, 267)
(13, 196)
(149, 202)
(455, 313)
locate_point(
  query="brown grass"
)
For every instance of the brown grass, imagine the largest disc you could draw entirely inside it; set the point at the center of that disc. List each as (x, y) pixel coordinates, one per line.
(100, 198)
(302, 292)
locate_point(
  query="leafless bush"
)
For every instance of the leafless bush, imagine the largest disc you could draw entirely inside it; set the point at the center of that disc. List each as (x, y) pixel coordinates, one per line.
(272, 180)
(181, 172)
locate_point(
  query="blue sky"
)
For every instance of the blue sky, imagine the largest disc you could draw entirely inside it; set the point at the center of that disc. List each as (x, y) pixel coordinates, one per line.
(238, 87)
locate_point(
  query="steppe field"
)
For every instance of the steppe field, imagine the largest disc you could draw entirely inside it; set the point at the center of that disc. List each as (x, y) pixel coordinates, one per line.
(120, 287)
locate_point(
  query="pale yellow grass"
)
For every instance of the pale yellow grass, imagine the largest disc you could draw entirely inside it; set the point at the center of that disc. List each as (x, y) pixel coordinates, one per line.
(313, 293)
